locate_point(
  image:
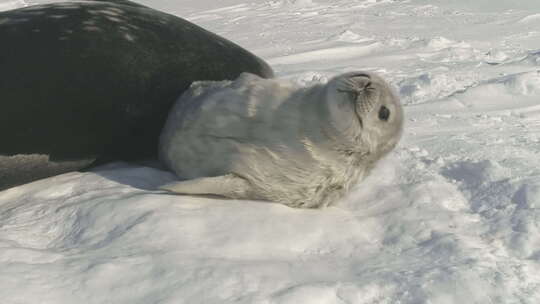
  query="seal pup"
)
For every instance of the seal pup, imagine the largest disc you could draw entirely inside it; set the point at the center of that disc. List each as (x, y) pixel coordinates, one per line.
(86, 82)
(267, 139)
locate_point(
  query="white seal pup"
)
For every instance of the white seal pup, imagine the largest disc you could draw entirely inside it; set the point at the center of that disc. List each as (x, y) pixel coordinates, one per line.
(268, 139)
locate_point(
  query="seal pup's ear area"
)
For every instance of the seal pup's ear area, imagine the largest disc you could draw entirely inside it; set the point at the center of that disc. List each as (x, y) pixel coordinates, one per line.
(230, 185)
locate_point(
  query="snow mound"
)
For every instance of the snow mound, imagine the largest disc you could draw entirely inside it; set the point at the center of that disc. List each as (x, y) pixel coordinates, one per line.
(433, 86)
(476, 173)
(522, 83)
(78, 234)
(509, 206)
(349, 36)
(496, 57)
(321, 55)
(468, 89)
(502, 93)
(530, 18)
(439, 43)
(290, 3)
(532, 58)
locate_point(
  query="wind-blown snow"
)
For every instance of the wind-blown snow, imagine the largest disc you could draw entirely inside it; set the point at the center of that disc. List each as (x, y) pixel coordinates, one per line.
(452, 216)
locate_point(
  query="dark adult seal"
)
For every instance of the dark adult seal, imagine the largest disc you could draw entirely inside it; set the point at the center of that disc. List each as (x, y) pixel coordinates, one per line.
(82, 83)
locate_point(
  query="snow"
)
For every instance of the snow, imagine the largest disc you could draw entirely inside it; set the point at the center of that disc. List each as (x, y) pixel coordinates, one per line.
(452, 216)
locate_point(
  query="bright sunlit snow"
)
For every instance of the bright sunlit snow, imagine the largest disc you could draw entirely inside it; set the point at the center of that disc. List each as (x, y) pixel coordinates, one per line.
(451, 216)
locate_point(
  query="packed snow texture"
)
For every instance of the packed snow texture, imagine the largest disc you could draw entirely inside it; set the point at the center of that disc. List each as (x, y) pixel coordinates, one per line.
(452, 216)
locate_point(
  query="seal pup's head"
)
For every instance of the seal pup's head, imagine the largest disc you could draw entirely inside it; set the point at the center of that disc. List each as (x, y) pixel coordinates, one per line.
(364, 106)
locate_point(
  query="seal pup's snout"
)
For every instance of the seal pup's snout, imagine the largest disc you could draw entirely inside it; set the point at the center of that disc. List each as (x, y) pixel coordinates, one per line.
(361, 74)
(354, 84)
(361, 90)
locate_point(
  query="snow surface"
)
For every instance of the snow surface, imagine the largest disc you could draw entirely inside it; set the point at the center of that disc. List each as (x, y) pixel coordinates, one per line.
(452, 216)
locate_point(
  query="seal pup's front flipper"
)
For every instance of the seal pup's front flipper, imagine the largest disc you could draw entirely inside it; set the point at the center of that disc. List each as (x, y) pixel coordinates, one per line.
(230, 185)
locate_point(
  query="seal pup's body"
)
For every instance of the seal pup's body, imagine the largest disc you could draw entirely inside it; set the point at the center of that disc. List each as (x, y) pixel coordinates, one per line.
(266, 139)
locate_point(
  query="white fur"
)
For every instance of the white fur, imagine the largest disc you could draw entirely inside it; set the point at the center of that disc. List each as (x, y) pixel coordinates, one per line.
(303, 147)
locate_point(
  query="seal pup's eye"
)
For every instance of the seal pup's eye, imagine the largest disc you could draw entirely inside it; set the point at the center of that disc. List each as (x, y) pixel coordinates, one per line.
(384, 113)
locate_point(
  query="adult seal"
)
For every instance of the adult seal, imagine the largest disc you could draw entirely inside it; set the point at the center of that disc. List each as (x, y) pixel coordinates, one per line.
(82, 83)
(268, 139)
